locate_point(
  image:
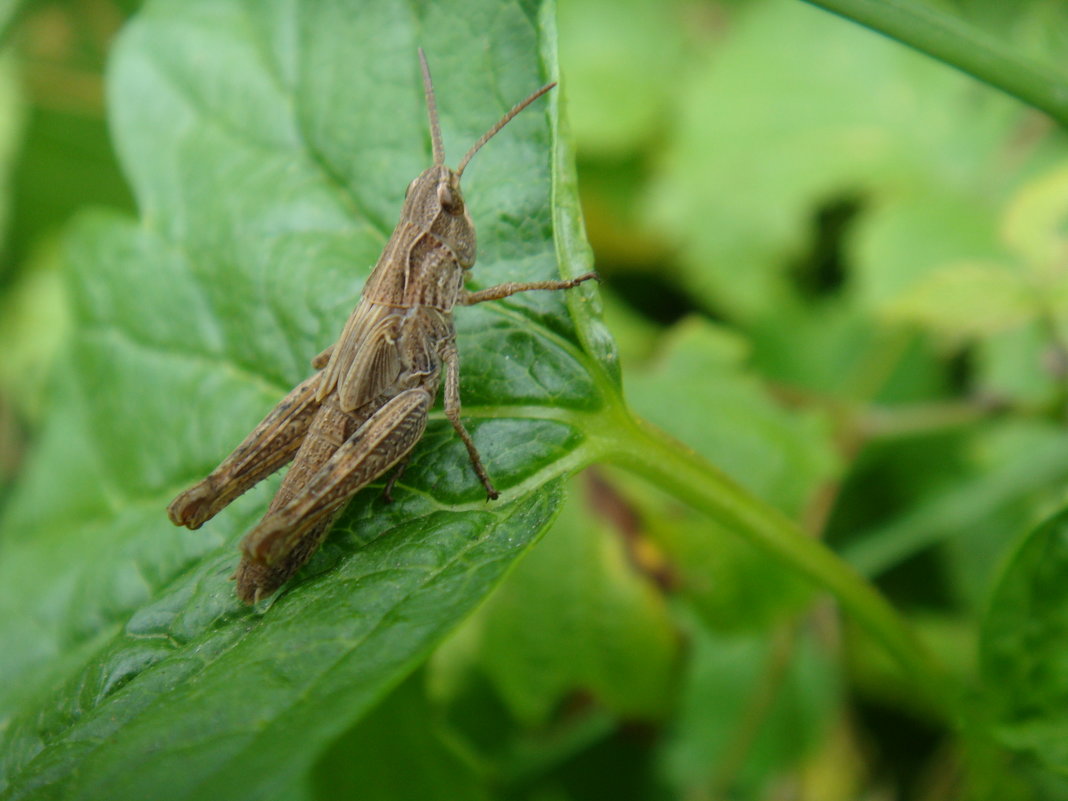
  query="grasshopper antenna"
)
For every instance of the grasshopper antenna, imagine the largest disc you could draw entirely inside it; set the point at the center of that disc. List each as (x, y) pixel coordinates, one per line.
(432, 110)
(507, 118)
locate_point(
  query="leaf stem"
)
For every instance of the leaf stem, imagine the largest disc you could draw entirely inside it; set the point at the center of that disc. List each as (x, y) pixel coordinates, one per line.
(646, 451)
(948, 38)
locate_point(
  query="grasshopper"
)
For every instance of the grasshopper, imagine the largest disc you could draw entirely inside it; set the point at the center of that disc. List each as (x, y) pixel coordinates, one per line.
(365, 409)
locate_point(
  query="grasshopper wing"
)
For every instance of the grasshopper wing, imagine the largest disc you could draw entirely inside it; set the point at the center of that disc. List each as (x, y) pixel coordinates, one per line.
(365, 362)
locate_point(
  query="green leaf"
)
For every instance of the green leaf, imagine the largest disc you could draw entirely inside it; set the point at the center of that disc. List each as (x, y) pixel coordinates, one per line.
(399, 751)
(577, 617)
(828, 114)
(1016, 365)
(1010, 295)
(1014, 470)
(913, 235)
(1023, 659)
(33, 323)
(9, 12)
(965, 297)
(269, 147)
(750, 706)
(622, 77)
(67, 163)
(720, 409)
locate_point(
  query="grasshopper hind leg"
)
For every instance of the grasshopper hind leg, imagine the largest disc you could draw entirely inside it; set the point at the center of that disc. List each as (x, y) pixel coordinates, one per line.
(271, 445)
(293, 529)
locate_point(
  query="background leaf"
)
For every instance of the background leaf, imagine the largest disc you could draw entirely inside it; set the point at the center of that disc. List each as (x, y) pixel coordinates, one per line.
(1023, 657)
(394, 753)
(575, 619)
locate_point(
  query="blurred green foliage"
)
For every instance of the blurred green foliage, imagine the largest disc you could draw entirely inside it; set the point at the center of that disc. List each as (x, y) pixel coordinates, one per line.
(834, 267)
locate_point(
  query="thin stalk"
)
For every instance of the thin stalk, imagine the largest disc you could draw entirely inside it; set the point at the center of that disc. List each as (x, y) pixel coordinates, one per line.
(653, 455)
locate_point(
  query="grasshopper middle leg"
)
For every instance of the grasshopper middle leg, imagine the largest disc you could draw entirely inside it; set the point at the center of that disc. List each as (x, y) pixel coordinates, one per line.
(452, 411)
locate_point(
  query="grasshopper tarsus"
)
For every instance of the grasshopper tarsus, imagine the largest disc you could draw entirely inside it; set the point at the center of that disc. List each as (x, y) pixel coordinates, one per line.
(398, 471)
(363, 413)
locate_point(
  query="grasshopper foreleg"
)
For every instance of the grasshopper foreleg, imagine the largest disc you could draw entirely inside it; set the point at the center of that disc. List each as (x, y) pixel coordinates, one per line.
(272, 444)
(514, 287)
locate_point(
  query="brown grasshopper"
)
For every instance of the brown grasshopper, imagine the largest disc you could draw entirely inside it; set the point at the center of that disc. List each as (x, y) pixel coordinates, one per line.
(366, 408)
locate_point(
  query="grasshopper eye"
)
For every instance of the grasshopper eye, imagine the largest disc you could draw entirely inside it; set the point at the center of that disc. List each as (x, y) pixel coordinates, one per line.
(449, 200)
(445, 197)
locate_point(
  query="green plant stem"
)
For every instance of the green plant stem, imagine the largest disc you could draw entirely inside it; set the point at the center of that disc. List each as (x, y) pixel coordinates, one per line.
(950, 39)
(648, 452)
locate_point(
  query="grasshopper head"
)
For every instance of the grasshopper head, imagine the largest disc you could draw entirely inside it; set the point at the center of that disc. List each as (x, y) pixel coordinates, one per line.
(437, 190)
(434, 200)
